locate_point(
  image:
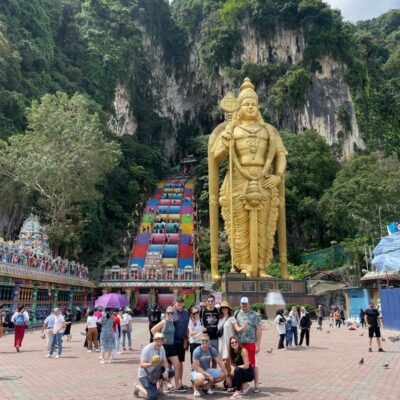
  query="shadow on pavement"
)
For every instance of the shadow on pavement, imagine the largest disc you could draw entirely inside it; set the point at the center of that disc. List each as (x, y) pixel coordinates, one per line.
(277, 390)
(9, 378)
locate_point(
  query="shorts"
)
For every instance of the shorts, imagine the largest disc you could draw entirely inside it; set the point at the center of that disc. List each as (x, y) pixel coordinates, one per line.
(374, 329)
(214, 372)
(180, 351)
(170, 350)
(251, 349)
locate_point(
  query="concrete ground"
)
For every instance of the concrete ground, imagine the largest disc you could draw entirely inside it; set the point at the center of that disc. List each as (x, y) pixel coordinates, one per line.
(328, 370)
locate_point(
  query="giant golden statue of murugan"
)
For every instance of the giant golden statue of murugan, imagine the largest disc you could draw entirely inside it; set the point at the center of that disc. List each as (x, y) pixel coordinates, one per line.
(252, 196)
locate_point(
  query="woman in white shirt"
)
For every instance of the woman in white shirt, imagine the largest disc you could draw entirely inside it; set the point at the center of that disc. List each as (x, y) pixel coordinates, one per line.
(225, 323)
(91, 325)
(126, 328)
(19, 319)
(195, 330)
(280, 322)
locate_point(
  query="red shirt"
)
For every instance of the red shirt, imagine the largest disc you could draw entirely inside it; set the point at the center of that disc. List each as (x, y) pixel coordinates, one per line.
(117, 321)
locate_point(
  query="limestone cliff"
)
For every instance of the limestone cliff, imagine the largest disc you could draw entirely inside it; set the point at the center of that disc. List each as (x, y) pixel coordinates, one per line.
(182, 99)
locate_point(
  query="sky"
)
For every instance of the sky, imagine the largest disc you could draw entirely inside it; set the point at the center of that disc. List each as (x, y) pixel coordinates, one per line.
(356, 10)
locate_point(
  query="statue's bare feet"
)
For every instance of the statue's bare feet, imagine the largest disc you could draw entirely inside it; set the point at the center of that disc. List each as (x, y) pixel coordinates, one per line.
(246, 269)
(216, 277)
(263, 274)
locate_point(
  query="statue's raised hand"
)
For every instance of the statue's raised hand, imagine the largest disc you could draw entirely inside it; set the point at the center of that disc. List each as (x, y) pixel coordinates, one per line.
(226, 139)
(271, 181)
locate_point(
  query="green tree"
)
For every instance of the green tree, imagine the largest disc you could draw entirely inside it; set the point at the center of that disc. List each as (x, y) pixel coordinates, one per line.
(364, 197)
(62, 157)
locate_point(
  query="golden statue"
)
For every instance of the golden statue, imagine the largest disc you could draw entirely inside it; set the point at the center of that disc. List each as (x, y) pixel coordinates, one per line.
(252, 196)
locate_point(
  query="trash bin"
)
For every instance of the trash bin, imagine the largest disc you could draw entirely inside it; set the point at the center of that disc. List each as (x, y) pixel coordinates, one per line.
(273, 302)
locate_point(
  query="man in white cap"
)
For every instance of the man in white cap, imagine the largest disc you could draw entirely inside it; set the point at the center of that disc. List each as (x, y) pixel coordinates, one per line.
(249, 330)
(153, 361)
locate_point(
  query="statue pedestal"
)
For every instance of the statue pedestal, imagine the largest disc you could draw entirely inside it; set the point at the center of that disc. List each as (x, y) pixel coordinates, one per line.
(236, 285)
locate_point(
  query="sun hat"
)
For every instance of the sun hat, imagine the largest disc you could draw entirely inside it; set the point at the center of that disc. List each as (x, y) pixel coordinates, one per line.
(225, 304)
(159, 335)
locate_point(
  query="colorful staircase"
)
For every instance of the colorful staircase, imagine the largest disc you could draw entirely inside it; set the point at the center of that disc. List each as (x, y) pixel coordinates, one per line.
(166, 240)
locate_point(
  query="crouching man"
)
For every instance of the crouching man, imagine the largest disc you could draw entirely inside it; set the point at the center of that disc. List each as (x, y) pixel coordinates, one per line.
(203, 376)
(153, 369)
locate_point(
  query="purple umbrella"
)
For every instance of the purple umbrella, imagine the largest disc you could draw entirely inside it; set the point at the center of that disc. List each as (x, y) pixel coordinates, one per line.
(112, 300)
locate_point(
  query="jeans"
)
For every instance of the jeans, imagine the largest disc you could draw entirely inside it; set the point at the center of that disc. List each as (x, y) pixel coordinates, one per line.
(338, 323)
(289, 337)
(294, 335)
(241, 376)
(281, 341)
(151, 388)
(127, 334)
(56, 340)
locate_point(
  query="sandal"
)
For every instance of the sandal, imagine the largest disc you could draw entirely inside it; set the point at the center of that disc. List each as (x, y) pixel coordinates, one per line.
(170, 388)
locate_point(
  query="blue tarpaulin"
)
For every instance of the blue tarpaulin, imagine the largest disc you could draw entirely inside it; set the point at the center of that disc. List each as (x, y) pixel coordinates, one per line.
(387, 253)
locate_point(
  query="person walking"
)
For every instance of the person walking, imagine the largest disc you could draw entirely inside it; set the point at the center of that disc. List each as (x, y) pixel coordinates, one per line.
(249, 332)
(181, 340)
(196, 329)
(19, 319)
(154, 318)
(280, 322)
(117, 334)
(153, 365)
(167, 327)
(68, 320)
(320, 316)
(288, 328)
(240, 370)
(294, 316)
(304, 324)
(58, 333)
(225, 330)
(210, 318)
(48, 325)
(126, 328)
(338, 318)
(362, 318)
(91, 332)
(107, 338)
(373, 321)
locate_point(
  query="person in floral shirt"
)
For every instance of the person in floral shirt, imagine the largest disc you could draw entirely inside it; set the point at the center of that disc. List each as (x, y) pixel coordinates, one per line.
(249, 330)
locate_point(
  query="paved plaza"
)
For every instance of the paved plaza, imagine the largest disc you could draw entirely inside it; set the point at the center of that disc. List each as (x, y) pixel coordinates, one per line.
(329, 369)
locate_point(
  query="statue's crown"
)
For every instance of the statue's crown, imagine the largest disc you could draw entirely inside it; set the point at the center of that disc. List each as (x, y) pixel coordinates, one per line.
(247, 90)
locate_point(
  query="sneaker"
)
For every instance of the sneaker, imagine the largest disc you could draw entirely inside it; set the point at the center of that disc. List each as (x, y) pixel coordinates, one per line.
(135, 390)
(181, 390)
(102, 361)
(186, 387)
(381, 350)
(196, 393)
(130, 348)
(57, 356)
(48, 356)
(124, 349)
(246, 388)
(256, 390)
(88, 351)
(370, 350)
(210, 391)
(235, 396)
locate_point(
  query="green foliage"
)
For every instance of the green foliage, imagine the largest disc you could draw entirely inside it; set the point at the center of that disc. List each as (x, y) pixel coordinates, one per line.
(291, 88)
(258, 306)
(363, 192)
(297, 271)
(62, 157)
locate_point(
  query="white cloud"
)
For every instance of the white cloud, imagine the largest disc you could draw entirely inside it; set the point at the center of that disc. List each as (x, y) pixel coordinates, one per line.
(356, 10)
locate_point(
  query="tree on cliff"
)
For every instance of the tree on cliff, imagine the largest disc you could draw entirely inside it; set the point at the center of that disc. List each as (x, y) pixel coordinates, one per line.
(62, 157)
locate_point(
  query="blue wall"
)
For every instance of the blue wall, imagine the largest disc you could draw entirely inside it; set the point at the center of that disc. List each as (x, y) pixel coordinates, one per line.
(390, 304)
(358, 298)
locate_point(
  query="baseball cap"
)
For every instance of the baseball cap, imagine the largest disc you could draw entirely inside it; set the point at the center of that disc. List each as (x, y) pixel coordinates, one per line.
(244, 300)
(158, 335)
(180, 300)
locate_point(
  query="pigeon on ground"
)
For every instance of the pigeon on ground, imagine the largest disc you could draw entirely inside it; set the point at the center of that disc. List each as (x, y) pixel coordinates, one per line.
(386, 365)
(361, 361)
(328, 331)
(383, 339)
(269, 351)
(362, 334)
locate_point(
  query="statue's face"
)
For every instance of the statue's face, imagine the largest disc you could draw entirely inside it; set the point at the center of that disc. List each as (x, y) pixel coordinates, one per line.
(249, 109)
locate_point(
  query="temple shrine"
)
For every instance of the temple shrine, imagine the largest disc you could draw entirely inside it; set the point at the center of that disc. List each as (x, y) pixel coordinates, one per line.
(162, 261)
(29, 275)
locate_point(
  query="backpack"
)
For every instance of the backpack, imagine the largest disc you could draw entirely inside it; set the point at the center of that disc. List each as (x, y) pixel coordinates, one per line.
(20, 320)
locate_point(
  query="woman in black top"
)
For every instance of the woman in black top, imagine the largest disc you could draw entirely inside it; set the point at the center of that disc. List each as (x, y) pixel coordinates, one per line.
(240, 369)
(154, 318)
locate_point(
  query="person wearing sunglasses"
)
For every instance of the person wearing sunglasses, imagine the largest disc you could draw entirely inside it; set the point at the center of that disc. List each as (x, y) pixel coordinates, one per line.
(196, 329)
(240, 370)
(210, 318)
(203, 375)
(167, 328)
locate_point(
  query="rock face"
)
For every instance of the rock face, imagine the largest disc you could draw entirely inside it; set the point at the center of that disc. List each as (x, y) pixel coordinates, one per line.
(182, 100)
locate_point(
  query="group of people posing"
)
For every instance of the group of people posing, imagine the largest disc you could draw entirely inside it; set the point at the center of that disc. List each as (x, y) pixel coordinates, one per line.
(223, 345)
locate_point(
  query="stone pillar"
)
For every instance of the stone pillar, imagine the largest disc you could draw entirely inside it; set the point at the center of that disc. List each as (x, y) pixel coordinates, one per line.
(17, 291)
(55, 293)
(71, 297)
(197, 295)
(34, 301)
